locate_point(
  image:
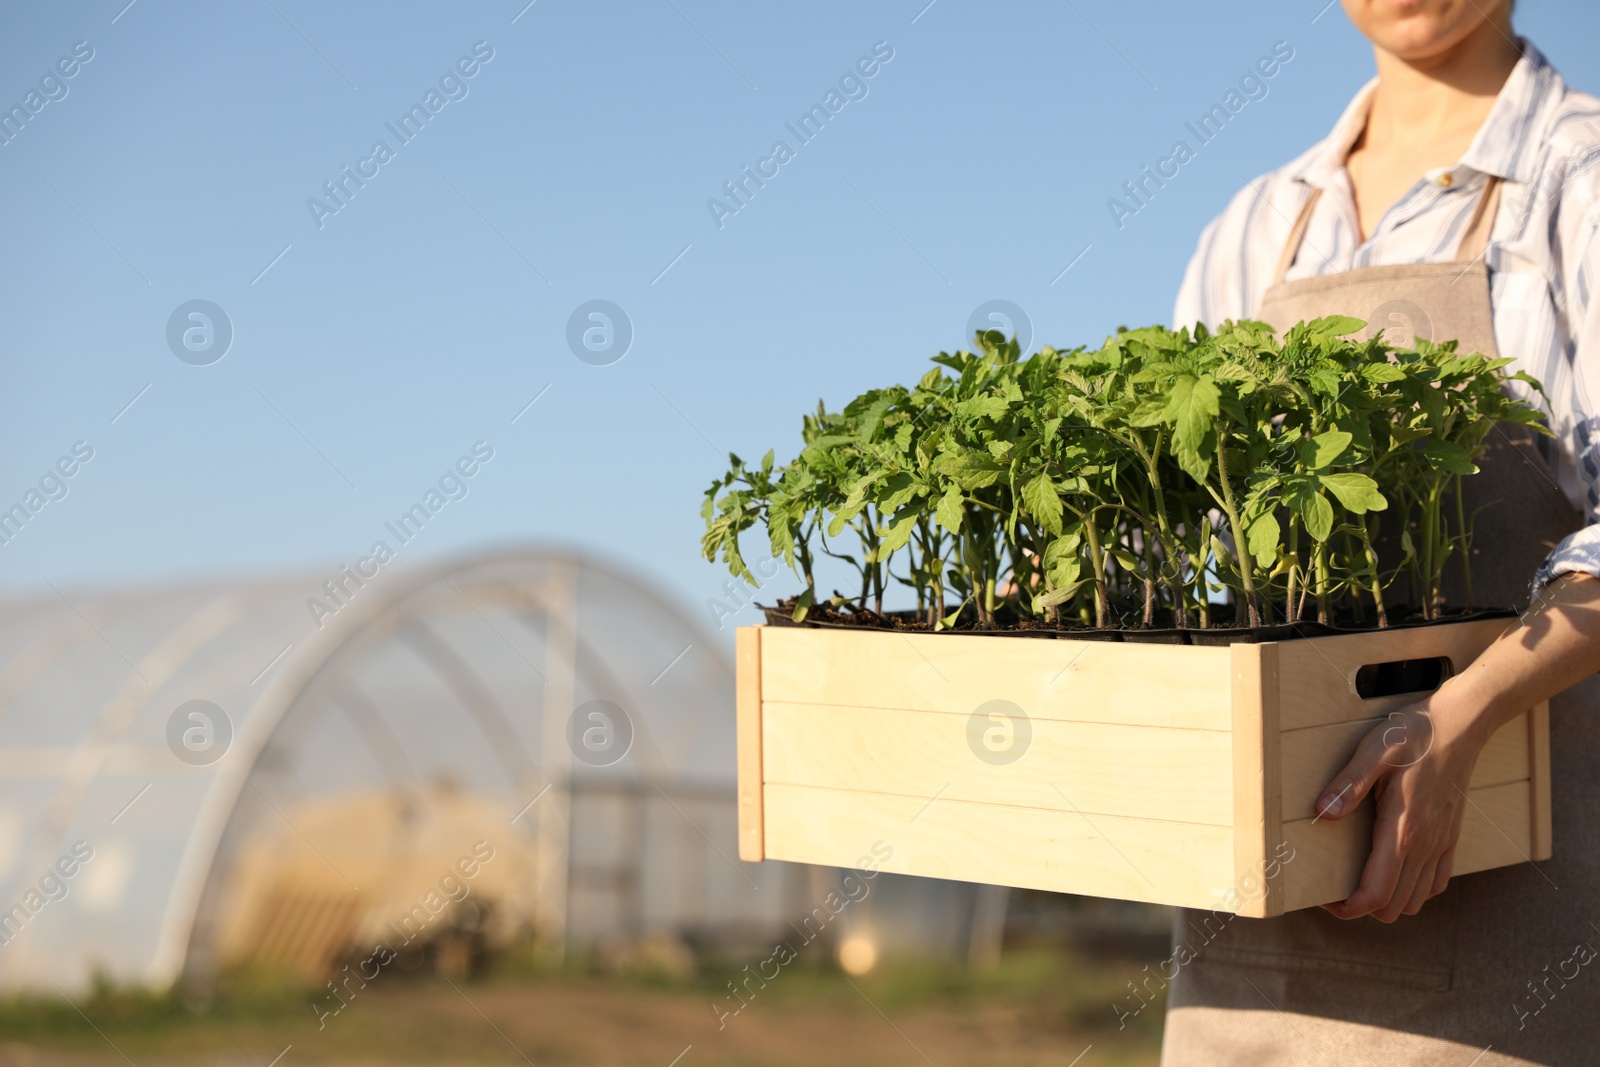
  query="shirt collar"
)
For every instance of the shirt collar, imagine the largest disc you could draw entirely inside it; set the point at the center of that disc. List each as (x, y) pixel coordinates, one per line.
(1503, 146)
(1324, 163)
(1506, 144)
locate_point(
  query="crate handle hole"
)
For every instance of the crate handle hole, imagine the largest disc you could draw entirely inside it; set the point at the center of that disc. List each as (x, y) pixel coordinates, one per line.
(1402, 676)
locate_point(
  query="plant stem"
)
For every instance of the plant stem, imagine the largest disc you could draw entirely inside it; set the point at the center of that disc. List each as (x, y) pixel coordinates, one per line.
(1430, 536)
(1180, 590)
(1097, 560)
(1241, 549)
(1372, 570)
(1168, 541)
(1290, 609)
(1149, 580)
(805, 564)
(1465, 536)
(1321, 552)
(920, 537)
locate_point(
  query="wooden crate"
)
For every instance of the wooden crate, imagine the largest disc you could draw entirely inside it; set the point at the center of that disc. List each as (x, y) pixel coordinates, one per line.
(1166, 773)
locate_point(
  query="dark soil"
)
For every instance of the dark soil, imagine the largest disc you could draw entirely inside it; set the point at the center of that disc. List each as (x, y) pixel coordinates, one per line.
(1222, 631)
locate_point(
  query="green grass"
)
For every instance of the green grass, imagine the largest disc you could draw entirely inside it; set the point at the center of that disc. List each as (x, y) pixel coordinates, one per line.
(1035, 1005)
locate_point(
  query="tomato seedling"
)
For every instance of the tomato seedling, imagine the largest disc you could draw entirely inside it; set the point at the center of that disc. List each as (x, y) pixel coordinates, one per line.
(1133, 484)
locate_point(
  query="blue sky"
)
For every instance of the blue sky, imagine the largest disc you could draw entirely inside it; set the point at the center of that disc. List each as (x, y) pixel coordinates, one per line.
(372, 347)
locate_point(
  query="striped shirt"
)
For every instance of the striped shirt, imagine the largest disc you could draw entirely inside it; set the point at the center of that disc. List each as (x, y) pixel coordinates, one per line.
(1542, 140)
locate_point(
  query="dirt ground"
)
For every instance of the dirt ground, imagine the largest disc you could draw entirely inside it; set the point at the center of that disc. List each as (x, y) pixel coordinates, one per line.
(1035, 1009)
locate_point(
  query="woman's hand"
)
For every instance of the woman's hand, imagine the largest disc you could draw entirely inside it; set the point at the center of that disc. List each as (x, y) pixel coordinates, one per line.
(1418, 764)
(1419, 761)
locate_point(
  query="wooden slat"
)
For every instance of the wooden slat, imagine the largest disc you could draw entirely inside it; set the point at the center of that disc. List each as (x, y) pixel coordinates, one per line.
(1318, 675)
(1539, 778)
(747, 727)
(1144, 772)
(1329, 855)
(1085, 681)
(1256, 772)
(1312, 757)
(1111, 856)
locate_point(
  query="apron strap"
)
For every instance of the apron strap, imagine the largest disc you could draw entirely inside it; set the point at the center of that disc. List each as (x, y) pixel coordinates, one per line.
(1479, 226)
(1297, 233)
(1473, 241)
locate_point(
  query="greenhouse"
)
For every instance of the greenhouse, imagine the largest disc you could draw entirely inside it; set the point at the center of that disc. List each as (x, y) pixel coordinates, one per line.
(287, 772)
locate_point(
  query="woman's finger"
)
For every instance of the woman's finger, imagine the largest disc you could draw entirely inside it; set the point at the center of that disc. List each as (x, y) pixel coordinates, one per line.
(1424, 887)
(1405, 887)
(1441, 873)
(1351, 785)
(1382, 871)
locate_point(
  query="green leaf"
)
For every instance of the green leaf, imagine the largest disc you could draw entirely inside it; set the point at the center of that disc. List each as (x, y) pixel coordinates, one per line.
(1318, 516)
(1063, 551)
(1336, 325)
(1265, 535)
(1043, 502)
(898, 492)
(950, 510)
(1327, 447)
(1382, 373)
(858, 492)
(1058, 595)
(1063, 571)
(801, 606)
(844, 516)
(1191, 405)
(1404, 435)
(969, 469)
(873, 416)
(1445, 456)
(1195, 463)
(1125, 559)
(1356, 493)
(899, 532)
(781, 536)
(989, 407)
(1325, 379)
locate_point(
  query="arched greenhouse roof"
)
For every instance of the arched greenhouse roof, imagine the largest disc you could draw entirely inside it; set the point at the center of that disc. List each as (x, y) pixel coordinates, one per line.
(461, 677)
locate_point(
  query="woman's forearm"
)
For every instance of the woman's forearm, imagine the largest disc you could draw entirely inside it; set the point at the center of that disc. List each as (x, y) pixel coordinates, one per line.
(1553, 646)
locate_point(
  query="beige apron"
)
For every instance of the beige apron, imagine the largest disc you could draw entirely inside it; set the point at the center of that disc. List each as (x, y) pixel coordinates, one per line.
(1503, 960)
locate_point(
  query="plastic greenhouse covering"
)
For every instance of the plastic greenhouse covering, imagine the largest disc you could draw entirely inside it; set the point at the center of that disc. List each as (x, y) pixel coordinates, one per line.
(196, 777)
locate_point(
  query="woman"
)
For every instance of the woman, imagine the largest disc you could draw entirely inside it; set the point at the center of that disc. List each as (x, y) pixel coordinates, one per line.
(1457, 197)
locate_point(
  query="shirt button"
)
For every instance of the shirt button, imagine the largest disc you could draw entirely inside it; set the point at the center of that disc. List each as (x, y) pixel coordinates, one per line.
(1446, 181)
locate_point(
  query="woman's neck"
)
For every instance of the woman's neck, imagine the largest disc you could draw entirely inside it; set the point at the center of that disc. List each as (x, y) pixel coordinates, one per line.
(1444, 94)
(1424, 115)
